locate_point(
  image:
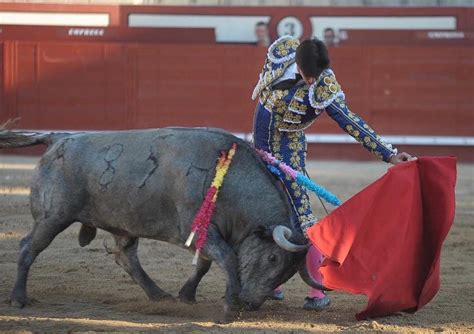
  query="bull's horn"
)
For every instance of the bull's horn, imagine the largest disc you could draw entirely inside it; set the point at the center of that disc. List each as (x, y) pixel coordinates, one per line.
(306, 277)
(281, 235)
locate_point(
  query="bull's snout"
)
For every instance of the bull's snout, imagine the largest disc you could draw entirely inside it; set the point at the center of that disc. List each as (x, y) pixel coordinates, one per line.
(251, 302)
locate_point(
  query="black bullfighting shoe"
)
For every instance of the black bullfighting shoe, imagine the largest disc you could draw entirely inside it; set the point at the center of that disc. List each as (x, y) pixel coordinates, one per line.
(316, 304)
(277, 295)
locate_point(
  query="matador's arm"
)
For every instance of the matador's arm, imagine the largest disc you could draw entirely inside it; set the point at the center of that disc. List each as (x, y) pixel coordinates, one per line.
(326, 94)
(359, 129)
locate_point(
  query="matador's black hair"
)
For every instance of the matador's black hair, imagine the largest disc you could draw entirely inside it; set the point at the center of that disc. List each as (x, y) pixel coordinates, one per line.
(312, 57)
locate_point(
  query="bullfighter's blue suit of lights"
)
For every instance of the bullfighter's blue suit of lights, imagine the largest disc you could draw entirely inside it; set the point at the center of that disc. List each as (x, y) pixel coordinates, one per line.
(282, 115)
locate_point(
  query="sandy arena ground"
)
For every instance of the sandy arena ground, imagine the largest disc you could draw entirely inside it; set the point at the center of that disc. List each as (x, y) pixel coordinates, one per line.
(82, 289)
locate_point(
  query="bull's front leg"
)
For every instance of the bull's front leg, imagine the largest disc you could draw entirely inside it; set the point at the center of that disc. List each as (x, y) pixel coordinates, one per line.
(126, 256)
(225, 257)
(187, 294)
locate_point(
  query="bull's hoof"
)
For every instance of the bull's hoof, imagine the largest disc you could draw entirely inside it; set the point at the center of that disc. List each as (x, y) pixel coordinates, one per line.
(187, 295)
(16, 303)
(21, 302)
(187, 299)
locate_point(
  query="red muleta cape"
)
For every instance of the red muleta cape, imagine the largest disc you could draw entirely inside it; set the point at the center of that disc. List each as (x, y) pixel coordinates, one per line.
(385, 242)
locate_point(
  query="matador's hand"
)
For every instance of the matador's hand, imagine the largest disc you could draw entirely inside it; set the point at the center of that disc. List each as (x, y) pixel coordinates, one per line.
(401, 157)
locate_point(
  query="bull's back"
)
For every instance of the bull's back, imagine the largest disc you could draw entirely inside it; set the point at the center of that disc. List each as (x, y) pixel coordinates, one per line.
(143, 182)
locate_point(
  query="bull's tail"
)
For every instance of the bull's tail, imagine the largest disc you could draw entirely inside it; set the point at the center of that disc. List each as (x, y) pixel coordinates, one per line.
(16, 138)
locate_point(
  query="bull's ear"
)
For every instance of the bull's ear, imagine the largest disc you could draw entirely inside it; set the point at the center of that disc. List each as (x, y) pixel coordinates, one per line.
(264, 232)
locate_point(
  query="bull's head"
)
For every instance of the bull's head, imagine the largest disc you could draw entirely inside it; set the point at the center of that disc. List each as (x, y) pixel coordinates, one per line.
(268, 257)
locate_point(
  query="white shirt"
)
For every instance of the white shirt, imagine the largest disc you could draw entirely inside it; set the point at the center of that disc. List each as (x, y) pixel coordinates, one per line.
(290, 74)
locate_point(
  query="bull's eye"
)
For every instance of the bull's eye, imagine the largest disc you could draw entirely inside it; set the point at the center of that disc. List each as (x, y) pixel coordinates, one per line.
(272, 258)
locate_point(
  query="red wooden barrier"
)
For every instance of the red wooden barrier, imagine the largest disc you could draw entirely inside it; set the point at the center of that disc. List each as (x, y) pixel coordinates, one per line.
(113, 85)
(94, 86)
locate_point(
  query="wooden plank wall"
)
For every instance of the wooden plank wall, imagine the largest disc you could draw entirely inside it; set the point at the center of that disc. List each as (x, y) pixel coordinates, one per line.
(112, 85)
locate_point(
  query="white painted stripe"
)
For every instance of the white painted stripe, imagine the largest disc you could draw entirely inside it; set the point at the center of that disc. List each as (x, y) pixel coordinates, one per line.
(228, 28)
(14, 191)
(16, 166)
(55, 19)
(395, 140)
(319, 23)
(342, 138)
(431, 140)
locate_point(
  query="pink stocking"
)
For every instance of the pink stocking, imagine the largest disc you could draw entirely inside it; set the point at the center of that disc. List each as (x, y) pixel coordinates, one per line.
(313, 262)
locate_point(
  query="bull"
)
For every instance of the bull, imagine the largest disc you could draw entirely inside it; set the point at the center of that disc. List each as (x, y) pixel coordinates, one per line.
(150, 184)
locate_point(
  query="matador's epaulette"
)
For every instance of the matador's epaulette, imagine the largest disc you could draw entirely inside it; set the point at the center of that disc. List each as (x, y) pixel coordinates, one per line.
(281, 54)
(325, 90)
